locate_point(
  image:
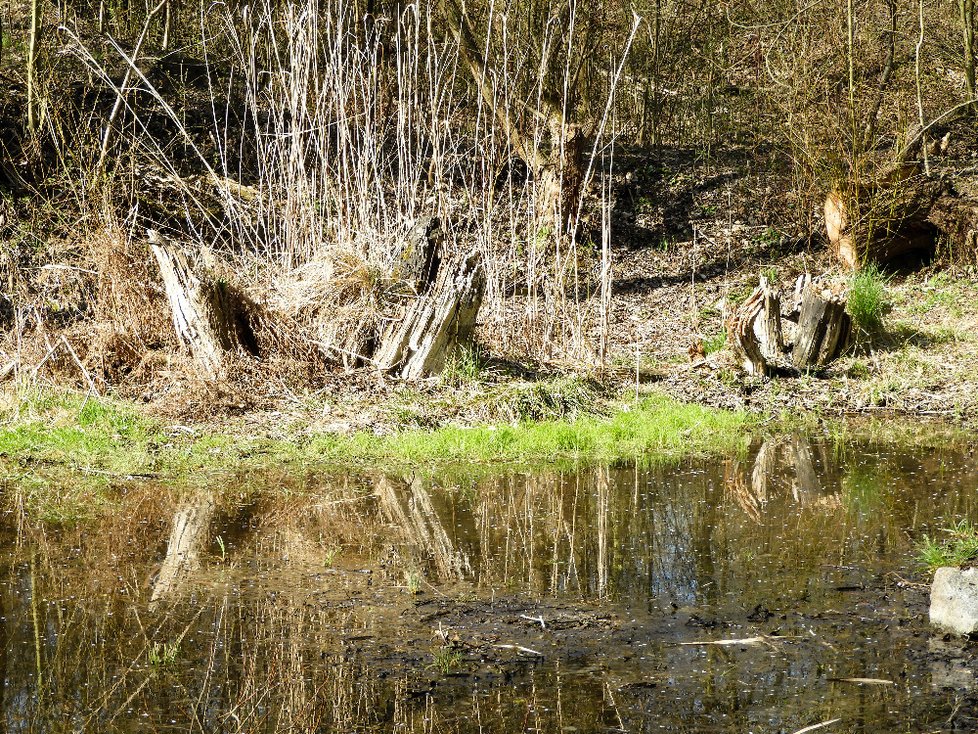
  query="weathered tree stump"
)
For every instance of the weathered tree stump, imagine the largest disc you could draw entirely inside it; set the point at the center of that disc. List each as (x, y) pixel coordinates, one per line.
(437, 322)
(755, 330)
(823, 328)
(208, 315)
(767, 342)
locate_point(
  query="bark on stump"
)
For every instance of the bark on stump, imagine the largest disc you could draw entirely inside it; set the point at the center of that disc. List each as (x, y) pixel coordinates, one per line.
(823, 328)
(207, 314)
(437, 322)
(767, 343)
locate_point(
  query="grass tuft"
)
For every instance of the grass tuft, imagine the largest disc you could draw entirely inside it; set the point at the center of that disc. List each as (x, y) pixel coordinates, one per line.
(958, 547)
(868, 300)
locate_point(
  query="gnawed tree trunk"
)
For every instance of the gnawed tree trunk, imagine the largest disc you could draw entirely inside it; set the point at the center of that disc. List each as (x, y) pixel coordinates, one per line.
(767, 342)
(437, 322)
(883, 219)
(209, 317)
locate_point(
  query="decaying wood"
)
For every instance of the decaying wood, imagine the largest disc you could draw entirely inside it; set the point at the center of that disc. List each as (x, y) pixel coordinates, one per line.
(755, 330)
(763, 337)
(208, 315)
(823, 328)
(437, 322)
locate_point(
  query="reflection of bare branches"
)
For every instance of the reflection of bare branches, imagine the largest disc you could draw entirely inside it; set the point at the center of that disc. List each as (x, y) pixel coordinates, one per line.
(414, 514)
(187, 536)
(603, 487)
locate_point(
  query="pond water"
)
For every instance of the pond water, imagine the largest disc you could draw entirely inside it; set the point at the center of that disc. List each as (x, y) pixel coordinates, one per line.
(739, 594)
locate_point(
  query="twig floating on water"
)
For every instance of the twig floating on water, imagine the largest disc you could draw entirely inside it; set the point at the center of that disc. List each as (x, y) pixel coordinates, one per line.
(520, 648)
(813, 727)
(864, 681)
(535, 619)
(740, 641)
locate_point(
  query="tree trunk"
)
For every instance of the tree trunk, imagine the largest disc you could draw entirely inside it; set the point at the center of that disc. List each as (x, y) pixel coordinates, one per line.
(884, 219)
(210, 318)
(823, 328)
(755, 330)
(437, 322)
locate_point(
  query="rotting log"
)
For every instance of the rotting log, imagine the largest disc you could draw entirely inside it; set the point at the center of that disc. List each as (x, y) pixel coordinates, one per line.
(763, 338)
(437, 322)
(209, 316)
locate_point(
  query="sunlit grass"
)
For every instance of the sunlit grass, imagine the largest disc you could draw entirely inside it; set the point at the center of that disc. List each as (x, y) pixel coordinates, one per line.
(69, 456)
(958, 547)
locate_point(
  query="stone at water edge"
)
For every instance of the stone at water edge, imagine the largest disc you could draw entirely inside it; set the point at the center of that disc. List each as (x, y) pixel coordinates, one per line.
(954, 600)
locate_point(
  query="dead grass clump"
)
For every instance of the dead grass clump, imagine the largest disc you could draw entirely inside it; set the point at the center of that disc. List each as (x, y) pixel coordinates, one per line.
(344, 299)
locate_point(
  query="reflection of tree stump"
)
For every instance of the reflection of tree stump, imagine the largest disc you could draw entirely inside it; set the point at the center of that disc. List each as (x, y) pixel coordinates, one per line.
(188, 536)
(788, 466)
(413, 513)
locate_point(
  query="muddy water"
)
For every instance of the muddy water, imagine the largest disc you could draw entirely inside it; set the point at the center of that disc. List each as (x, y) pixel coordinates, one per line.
(730, 595)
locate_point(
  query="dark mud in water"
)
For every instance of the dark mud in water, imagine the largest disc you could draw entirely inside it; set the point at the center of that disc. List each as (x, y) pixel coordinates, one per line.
(735, 595)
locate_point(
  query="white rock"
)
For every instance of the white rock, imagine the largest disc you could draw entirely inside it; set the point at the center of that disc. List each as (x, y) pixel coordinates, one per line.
(954, 600)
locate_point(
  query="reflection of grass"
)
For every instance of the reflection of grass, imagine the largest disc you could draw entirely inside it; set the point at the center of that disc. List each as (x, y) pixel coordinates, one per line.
(959, 547)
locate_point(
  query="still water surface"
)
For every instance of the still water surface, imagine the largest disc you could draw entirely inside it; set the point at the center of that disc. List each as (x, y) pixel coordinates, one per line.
(538, 602)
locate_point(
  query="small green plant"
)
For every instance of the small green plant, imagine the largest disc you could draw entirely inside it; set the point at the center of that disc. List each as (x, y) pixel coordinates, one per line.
(446, 660)
(958, 547)
(412, 580)
(858, 369)
(222, 548)
(715, 343)
(867, 298)
(330, 556)
(464, 365)
(163, 654)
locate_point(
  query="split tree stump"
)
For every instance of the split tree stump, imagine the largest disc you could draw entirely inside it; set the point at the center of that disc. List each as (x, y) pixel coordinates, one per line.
(810, 335)
(437, 322)
(208, 315)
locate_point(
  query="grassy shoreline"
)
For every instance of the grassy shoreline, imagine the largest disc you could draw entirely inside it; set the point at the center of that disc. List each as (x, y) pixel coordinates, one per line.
(103, 437)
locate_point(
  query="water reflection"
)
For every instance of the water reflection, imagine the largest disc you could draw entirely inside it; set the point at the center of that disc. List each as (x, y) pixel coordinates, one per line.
(552, 602)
